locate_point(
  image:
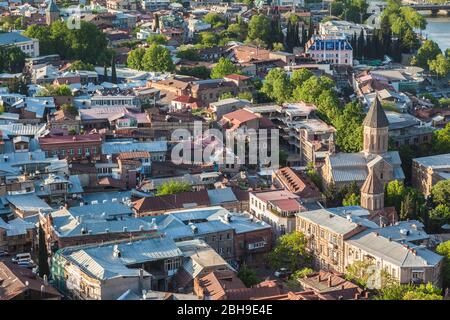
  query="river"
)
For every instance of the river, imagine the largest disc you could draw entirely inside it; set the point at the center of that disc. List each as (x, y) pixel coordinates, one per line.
(438, 30)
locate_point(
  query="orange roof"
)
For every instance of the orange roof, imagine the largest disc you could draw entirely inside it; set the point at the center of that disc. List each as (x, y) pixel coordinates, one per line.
(236, 77)
(133, 155)
(240, 116)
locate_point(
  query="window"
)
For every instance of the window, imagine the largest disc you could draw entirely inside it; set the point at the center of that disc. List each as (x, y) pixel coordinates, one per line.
(71, 151)
(172, 264)
(80, 151)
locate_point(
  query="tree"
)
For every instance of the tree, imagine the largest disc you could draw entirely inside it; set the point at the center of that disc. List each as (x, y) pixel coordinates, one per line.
(222, 68)
(429, 50)
(410, 292)
(441, 140)
(157, 58)
(200, 72)
(290, 251)
(208, 39)
(156, 39)
(214, 19)
(351, 200)
(188, 54)
(441, 192)
(113, 70)
(247, 95)
(259, 28)
(43, 34)
(299, 76)
(135, 57)
(444, 250)
(314, 175)
(80, 65)
(42, 254)
(277, 86)
(55, 91)
(86, 43)
(440, 66)
(311, 89)
(440, 212)
(173, 187)
(277, 46)
(349, 129)
(395, 191)
(247, 276)
(69, 108)
(293, 281)
(12, 59)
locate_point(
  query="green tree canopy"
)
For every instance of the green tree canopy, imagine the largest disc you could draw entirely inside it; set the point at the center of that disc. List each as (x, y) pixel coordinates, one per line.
(410, 292)
(87, 43)
(444, 250)
(429, 50)
(247, 276)
(441, 192)
(55, 91)
(441, 140)
(290, 252)
(135, 58)
(222, 68)
(80, 65)
(156, 39)
(214, 19)
(440, 65)
(12, 59)
(173, 187)
(157, 58)
(259, 28)
(277, 86)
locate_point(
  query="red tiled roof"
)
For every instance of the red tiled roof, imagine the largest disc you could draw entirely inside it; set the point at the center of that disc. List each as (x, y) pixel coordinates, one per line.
(237, 77)
(297, 183)
(185, 99)
(240, 116)
(15, 280)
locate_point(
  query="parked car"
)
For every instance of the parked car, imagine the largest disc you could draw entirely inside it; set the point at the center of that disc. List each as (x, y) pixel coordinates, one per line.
(282, 273)
(21, 256)
(27, 264)
(4, 253)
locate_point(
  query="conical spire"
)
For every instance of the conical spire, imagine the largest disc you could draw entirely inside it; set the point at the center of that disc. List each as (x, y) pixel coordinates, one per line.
(52, 7)
(372, 185)
(376, 117)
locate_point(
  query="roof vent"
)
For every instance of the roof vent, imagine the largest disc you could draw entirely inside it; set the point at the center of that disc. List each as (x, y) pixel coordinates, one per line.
(116, 251)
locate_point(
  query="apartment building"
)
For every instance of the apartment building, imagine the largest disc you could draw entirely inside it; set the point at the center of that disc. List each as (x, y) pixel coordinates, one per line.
(29, 46)
(277, 208)
(326, 234)
(427, 171)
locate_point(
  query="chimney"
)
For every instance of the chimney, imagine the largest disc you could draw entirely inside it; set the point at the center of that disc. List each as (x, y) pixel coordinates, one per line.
(141, 279)
(366, 295)
(329, 281)
(356, 296)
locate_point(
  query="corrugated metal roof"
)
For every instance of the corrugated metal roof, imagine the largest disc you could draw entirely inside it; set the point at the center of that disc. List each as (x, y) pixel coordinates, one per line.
(100, 262)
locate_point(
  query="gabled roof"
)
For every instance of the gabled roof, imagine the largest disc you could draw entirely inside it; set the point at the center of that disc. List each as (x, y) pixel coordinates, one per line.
(376, 117)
